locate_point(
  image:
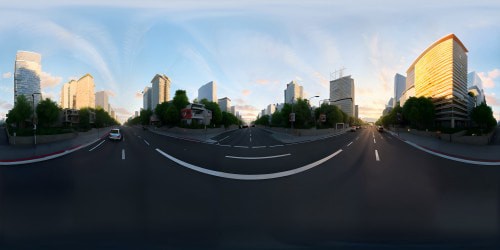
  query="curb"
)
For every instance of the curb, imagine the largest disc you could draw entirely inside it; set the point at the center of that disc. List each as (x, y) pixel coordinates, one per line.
(46, 157)
(452, 157)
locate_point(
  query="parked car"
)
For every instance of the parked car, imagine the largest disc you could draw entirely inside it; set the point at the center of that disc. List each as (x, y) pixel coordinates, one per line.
(380, 129)
(115, 135)
(353, 129)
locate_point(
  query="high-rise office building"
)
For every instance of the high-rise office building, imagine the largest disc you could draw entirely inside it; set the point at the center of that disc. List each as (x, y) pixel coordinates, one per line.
(271, 108)
(27, 70)
(293, 92)
(78, 94)
(208, 91)
(342, 94)
(146, 98)
(399, 88)
(233, 110)
(102, 100)
(160, 90)
(225, 104)
(475, 86)
(440, 73)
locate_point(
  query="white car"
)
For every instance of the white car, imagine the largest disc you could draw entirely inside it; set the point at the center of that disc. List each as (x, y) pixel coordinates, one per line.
(115, 135)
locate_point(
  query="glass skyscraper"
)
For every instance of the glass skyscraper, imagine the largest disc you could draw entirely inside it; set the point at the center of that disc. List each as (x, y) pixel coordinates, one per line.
(27, 72)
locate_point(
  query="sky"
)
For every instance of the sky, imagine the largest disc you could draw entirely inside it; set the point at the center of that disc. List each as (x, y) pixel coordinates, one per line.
(252, 49)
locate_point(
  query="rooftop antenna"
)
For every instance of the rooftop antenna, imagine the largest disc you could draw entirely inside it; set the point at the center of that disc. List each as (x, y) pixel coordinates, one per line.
(339, 73)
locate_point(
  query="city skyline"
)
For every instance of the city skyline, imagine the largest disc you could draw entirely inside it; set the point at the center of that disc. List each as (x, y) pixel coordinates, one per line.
(252, 50)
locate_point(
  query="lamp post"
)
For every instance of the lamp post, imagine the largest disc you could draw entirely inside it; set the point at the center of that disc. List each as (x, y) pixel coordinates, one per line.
(34, 114)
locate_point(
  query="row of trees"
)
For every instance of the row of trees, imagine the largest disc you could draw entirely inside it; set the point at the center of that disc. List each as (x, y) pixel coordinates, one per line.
(169, 113)
(304, 116)
(48, 115)
(420, 113)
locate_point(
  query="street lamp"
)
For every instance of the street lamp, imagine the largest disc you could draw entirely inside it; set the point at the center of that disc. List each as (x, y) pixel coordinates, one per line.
(34, 115)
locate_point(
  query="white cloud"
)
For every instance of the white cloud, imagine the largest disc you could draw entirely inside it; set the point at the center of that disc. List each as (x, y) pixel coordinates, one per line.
(5, 105)
(49, 81)
(246, 92)
(7, 75)
(491, 99)
(488, 78)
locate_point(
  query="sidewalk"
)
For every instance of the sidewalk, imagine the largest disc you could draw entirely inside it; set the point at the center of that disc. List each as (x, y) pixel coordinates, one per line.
(488, 153)
(15, 153)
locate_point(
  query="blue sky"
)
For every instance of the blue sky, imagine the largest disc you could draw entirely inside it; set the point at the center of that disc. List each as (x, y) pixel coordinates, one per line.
(252, 49)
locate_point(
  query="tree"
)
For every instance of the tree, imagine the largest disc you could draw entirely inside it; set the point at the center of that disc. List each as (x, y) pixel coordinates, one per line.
(229, 119)
(263, 120)
(180, 100)
(420, 112)
(172, 115)
(216, 112)
(21, 112)
(277, 119)
(47, 112)
(333, 115)
(84, 116)
(482, 115)
(145, 116)
(161, 111)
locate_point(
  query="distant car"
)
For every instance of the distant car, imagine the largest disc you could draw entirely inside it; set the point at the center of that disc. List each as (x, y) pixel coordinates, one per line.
(253, 125)
(353, 129)
(358, 127)
(380, 129)
(245, 126)
(115, 135)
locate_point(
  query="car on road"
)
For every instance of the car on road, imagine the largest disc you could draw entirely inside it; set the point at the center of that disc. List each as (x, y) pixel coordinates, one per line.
(353, 129)
(380, 129)
(115, 135)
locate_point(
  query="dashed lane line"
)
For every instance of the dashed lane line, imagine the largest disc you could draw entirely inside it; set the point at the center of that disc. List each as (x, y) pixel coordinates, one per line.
(224, 138)
(273, 146)
(376, 155)
(146, 142)
(240, 146)
(249, 176)
(257, 157)
(258, 146)
(123, 154)
(374, 141)
(97, 145)
(349, 144)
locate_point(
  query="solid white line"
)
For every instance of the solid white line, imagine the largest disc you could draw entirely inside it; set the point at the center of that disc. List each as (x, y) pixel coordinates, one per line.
(486, 163)
(257, 158)
(123, 154)
(97, 145)
(276, 146)
(374, 141)
(240, 146)
(224, 138)
(225, 145)
(349, 144)
(259, 147)
(249, 176)
(376, 155)
(146, 142)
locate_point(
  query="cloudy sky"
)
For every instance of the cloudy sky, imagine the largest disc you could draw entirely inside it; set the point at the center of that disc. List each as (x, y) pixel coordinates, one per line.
(252, 49)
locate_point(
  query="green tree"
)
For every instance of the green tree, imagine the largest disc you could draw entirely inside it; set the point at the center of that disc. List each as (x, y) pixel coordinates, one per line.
(482, 115)
(333, 115)
(420, 112)
(216, 112)
(145, 116)
(229, 119)
(263, 120)
(277, 119)
(173, 115)
(84, 116)
(21, 112)
(161, 112)
(47, 112)
(180, 99)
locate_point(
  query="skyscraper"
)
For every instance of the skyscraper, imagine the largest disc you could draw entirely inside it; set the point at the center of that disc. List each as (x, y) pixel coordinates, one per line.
(440, 73)
(293, 92)
(160, 91)
(208, 91)
(225, 104)
(78, 94)
(475, 86)
(101, 100)
(399, 88)
(27, 72)
(342, 94)
(146, 98)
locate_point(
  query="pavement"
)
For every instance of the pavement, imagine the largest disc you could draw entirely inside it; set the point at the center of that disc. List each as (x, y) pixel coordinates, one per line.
(28, 153)
(486, 153)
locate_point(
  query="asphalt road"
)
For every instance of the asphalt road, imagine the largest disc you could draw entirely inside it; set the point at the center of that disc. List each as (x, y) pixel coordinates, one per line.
(360, 190)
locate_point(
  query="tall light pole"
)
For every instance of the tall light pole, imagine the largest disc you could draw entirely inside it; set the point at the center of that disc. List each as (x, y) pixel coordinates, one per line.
(34, 114)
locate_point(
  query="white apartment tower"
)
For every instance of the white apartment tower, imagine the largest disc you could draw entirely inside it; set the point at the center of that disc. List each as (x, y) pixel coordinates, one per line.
(225, 104)
(102, 100)
(78, 94)
(208, 91)
(146, 98)
(160, 90)
(293, 92)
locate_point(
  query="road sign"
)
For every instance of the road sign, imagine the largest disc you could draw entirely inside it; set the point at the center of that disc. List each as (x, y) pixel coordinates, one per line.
(292, 117)
(322, 117)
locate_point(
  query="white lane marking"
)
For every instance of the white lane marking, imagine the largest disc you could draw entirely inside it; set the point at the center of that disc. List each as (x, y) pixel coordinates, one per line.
(259, 147)
(357, 138)
(240, 146)
(276, 146)
(376, 155)
(224, 145)
(97, 145)
(224, 138)
(485, 163)
(373, 135)
(250, 138)
(374, 141)
(257, 158)
(249, 176)
(146, 142)
(123, 154)
(349, 144)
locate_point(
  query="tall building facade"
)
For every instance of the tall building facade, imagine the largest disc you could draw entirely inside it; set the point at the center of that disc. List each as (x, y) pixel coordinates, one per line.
(356, 111)
(27, 70)
(233, 110)
(293, 92)
(78, 94)
(102, 100)
(160, 90)
(475, 87)
(342, 94)
(440, 73)
(399, 88)
(208, 91)
(271, 108)
(146, 98)
(225, 104)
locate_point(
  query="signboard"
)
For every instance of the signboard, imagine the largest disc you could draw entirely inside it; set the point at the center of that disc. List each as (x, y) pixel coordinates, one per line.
(292, 117)
(322, 117)
(186, 113)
